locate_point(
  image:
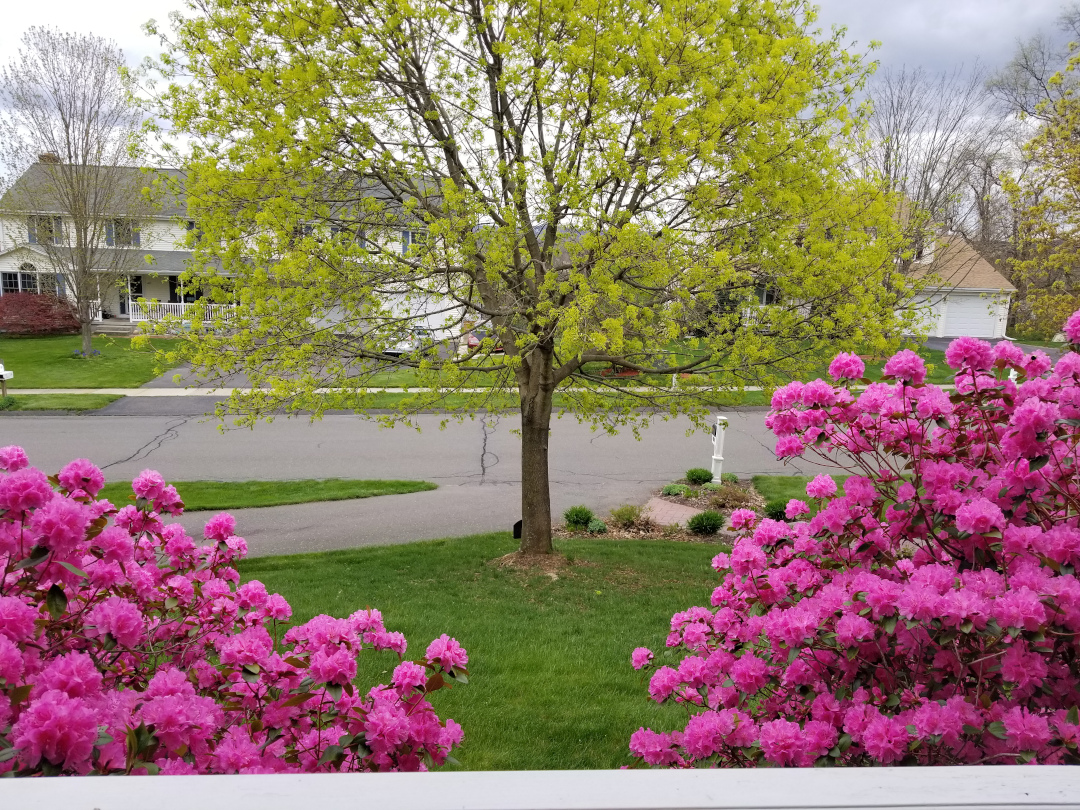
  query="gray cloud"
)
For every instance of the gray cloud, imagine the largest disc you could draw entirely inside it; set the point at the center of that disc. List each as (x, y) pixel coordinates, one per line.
(940, 35)
(937, 34)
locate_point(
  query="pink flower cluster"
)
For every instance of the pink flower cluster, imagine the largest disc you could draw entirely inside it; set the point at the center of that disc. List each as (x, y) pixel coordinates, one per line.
(928, 613)
(128, 647)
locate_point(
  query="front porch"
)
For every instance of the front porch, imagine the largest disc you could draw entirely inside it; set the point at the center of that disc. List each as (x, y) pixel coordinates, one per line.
(157, 311)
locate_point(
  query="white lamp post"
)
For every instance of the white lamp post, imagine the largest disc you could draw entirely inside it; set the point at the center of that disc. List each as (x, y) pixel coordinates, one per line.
(718, 445)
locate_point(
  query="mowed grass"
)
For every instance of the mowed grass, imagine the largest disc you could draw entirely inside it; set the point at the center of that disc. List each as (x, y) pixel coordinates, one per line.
(46, 362)
(785, 487)
(550, 681)
(200, 495)
(58, 402)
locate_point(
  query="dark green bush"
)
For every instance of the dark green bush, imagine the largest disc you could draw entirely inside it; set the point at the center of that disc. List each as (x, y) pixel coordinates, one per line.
(698, 476)
(7, 403)
(776, 509)
(707, 522)
(596, 526)
(578, 517)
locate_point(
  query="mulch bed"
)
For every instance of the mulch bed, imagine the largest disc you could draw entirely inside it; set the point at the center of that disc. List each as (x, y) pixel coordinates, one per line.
(643, 531)
(703, 499)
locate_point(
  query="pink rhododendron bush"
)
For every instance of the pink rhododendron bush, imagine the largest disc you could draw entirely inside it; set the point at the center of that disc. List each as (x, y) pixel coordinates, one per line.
(928, 613)
(125, 647)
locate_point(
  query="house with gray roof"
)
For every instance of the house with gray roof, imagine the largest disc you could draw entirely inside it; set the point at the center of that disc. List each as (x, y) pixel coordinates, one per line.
(34, 227)
(965, 294)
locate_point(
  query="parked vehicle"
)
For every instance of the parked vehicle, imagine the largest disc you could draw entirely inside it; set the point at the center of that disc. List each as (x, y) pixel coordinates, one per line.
(476, 336)
(419, 340)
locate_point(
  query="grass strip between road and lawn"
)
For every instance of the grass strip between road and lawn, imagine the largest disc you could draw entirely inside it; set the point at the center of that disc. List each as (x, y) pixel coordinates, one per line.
(212, 495)
(550, 681)
(57, 402)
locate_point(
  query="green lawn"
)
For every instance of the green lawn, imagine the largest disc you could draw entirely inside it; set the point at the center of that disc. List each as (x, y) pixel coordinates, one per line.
(57, 402)
(199, 495)
(46, 362)
(785, 487)
(550, 681)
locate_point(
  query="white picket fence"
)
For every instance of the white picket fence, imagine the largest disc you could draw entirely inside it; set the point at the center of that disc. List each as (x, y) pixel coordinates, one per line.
(156, 311)
(970, 788)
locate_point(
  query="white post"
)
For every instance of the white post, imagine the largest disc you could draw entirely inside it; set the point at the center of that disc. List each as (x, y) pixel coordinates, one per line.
(718, 445)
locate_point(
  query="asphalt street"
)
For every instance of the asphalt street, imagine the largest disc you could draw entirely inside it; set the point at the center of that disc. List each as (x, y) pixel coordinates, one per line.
(476, 464)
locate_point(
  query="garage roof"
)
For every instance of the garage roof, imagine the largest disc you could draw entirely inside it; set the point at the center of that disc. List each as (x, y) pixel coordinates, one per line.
(958, 266)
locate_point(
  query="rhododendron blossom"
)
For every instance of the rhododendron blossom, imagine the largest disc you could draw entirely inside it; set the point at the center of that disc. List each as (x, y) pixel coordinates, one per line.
(130, 648)
(929, 613)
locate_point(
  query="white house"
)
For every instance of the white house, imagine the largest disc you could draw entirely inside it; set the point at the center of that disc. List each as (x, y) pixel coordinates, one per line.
(157, 238)
(967, 296)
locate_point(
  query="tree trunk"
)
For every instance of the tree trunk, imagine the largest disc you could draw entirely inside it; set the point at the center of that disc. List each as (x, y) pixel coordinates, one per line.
(87, 344)
(536, 399)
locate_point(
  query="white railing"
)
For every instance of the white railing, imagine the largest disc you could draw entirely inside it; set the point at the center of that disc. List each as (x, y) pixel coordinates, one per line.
(156, 311)
(1050, 787)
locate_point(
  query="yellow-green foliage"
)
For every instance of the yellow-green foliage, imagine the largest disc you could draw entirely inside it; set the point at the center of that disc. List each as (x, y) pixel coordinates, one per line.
(598, 181)
(1047, 198)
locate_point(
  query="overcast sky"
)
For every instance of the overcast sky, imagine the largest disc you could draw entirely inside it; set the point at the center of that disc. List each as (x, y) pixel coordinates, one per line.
(938, 34)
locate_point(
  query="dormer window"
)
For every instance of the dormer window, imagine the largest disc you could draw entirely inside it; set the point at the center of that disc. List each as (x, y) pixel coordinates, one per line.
(44, 230)
(121, 233)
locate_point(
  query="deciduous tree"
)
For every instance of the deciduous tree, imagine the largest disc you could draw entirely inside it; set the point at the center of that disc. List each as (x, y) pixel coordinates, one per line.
(67, 131)
(591, 182)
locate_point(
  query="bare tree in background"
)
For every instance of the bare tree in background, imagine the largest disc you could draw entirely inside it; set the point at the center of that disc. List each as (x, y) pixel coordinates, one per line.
(937, 140)
(67, 134)
(1026, 85)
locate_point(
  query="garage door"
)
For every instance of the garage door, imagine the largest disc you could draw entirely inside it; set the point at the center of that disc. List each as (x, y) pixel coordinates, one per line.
(970, 315)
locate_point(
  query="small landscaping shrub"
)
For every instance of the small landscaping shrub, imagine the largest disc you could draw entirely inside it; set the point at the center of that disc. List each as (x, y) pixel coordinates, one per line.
(928, 613)
(126, 647)
(707, 522)
(698, 476)
(712, 486)
(626, 516)
(578, 517)
(729, 478)
(776, 510)
(596, 526)
(32, 314)
(681, 490)
(7, 403)
(730, 496)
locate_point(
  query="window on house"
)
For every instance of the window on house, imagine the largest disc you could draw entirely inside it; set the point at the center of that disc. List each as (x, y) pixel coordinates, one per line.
(413, 238)
(348, 234)
(766, 294)
(121, 232)
(44, 230)
(25, 280)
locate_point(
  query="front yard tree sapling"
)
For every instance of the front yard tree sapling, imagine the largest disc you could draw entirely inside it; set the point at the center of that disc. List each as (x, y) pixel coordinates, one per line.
(586, 185)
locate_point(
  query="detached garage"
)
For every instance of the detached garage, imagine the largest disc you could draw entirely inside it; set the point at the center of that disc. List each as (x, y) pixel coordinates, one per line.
(968, 297)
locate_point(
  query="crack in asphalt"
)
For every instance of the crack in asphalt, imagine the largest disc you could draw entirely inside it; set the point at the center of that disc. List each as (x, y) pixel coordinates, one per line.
(484, 452)
(155, 443)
